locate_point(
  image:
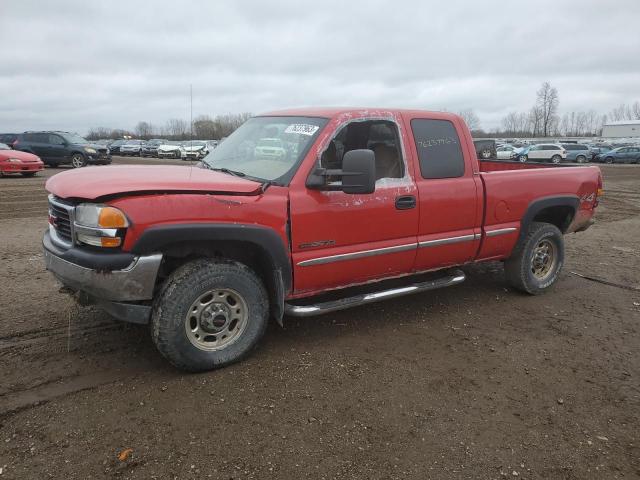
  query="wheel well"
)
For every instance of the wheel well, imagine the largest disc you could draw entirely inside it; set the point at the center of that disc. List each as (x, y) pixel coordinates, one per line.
(561, 216)
(250, 254)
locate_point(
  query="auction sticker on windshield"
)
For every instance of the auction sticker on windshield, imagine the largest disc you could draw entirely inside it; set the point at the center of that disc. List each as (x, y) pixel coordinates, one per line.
(302, 128)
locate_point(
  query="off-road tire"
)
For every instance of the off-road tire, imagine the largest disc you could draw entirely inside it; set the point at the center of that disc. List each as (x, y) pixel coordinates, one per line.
(518, 267)
(182, 288)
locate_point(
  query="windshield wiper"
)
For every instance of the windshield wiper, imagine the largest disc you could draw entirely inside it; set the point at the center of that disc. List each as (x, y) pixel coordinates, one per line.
(235, 173)
(230, 172)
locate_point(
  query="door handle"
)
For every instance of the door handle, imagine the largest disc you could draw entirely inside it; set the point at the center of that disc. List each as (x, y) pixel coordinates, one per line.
(405, 202)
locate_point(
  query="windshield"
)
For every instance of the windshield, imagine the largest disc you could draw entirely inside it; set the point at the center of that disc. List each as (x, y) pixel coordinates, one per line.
(74, 138)
(267, 148)
(196, 144)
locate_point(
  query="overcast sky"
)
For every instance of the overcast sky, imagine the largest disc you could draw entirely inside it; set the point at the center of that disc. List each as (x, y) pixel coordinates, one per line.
(72, 65)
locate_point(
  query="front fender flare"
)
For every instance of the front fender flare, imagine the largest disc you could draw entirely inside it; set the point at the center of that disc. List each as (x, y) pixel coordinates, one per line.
(154, 239)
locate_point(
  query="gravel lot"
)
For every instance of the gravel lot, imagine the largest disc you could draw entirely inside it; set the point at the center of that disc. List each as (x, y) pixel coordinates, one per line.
(471, 382)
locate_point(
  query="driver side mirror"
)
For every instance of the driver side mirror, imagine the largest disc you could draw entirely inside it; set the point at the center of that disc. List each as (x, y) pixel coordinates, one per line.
(358, 174)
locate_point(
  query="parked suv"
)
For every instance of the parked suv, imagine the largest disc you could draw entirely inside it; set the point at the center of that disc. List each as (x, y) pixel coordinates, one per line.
(620, 155)
(546, 152)
(56, 148)
(577, 152)
(132, 147)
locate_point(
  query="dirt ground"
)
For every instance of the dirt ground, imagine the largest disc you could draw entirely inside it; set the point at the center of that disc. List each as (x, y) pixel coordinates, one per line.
(471, 382)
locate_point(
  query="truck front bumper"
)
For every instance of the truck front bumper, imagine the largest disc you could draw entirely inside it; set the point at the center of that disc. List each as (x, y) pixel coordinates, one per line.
(111, 289)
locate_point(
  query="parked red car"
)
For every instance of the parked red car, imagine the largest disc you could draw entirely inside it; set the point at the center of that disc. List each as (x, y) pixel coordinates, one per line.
(350, 207)
(13, 161)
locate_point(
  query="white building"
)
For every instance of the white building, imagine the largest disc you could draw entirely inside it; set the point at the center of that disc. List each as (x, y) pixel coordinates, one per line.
(623, 128)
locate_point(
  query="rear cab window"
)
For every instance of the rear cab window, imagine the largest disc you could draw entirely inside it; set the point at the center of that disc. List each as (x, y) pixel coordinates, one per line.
(439, 148)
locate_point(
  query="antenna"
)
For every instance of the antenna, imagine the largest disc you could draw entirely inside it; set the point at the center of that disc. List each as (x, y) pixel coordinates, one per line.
(191, 119)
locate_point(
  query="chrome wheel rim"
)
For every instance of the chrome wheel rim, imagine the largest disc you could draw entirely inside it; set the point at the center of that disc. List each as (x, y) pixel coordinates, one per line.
(77, 161)
(216, 319)
(555, 159)
(544, 259)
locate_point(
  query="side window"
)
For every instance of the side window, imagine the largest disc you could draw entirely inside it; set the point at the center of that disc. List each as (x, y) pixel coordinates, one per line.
(41, 138)
(439, 150)
(55, 140)
(381, 136)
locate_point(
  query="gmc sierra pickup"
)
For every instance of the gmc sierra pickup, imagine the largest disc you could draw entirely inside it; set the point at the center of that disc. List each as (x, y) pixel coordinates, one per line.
(304, 212)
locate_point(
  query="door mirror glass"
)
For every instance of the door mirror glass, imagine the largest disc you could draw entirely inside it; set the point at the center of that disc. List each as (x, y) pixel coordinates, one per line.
(359, 171)
(358, 174)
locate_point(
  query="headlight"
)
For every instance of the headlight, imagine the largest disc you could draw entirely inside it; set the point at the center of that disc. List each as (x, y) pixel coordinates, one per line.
(99, 225)
(90, 150)
(14, 160)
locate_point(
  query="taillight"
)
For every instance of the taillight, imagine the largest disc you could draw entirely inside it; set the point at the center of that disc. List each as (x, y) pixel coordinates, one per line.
(599, 190)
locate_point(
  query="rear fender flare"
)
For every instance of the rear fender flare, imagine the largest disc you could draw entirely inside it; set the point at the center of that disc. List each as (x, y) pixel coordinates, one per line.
(537, 206)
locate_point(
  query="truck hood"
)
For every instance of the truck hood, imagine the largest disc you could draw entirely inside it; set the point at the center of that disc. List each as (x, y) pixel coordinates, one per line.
(91, 183)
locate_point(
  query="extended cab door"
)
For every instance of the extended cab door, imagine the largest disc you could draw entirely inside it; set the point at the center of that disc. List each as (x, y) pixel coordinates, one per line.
(340, 239)
(449, 192)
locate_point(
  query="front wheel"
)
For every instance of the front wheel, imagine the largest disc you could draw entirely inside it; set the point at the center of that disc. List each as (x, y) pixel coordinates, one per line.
(535, 263)
(78, 160)
(209, 314)
(581, 159)
(523, 158)
(608, 160)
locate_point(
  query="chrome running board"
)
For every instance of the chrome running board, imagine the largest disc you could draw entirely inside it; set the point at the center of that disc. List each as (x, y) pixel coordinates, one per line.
(455, 277)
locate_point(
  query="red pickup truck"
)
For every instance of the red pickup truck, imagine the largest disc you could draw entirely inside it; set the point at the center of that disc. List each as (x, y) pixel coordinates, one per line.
(303, 212)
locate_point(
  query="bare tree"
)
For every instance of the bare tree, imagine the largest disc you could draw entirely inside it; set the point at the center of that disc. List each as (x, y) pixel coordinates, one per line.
(205, 128)
(535, 120)
(177, 128)
(144, 130)
(547, 103)
(471, 119)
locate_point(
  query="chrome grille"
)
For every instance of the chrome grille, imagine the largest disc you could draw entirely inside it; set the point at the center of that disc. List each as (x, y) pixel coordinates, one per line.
(61, 218)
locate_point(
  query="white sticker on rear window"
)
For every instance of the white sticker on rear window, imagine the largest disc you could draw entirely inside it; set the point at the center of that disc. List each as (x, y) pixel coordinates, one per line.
(302, 129)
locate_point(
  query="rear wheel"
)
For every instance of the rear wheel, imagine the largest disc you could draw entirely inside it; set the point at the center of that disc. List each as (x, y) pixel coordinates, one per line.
(536, 261)
(209, 314)
(556, 159)
(581, 159)
(78, 160)
(523, 158)
(608, 160)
